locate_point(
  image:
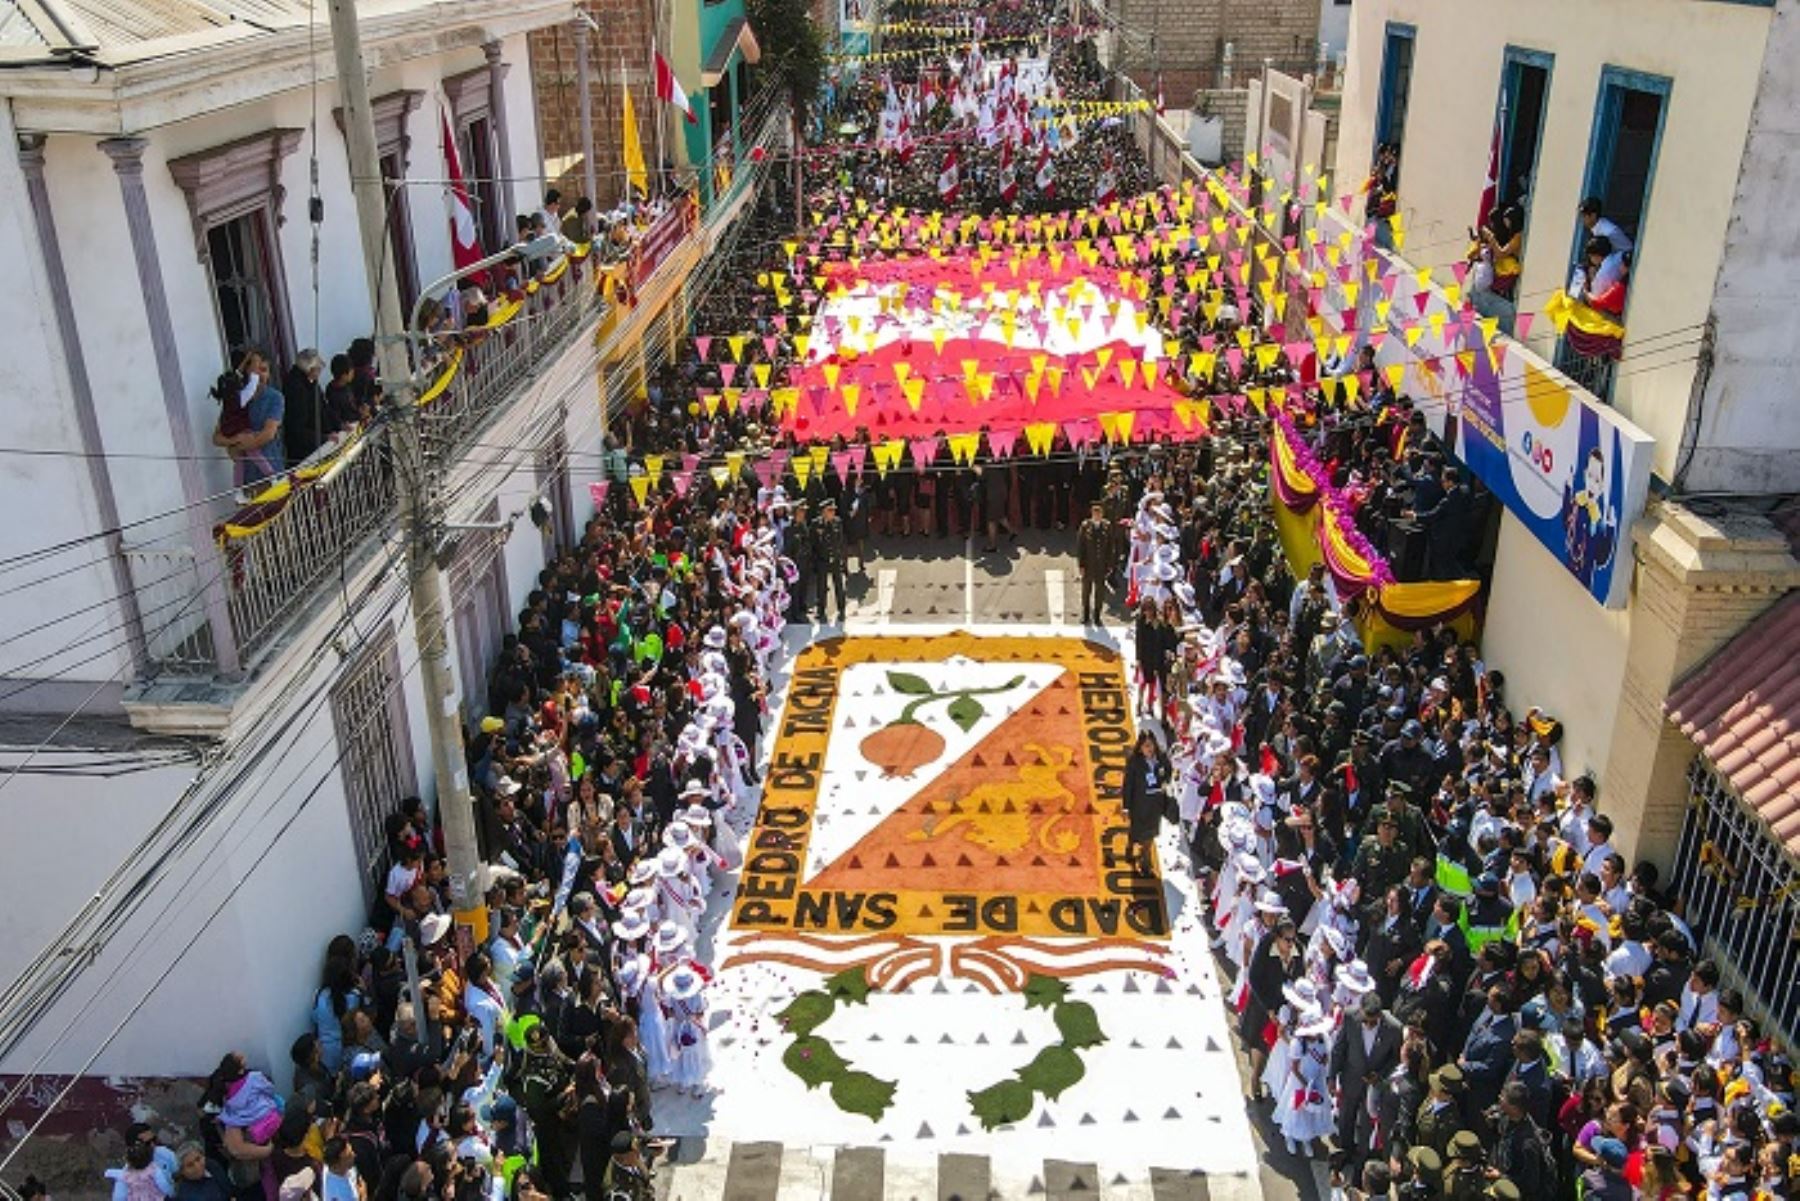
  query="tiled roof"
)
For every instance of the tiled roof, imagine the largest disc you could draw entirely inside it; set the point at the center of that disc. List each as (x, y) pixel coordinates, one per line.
(1742, 708)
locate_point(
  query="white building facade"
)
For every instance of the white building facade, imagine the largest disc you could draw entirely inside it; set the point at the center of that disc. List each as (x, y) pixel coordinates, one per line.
(243, 678)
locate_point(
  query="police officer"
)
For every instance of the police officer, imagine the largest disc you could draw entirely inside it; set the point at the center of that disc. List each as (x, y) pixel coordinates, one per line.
(1116, 506)
(1465, 1176)
(1093, 555)
(798, 541)
(828, 558)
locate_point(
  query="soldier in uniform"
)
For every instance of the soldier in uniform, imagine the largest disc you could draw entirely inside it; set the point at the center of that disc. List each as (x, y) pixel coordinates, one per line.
(1440, 1113)
(1465, 1176)
(1117, 508)
(1382, 860)
(798, 542)
(1093, 555)
(828, 558)
(1426, 1168)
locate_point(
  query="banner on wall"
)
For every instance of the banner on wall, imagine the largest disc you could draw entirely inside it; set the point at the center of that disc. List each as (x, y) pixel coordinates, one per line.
(1572, 469)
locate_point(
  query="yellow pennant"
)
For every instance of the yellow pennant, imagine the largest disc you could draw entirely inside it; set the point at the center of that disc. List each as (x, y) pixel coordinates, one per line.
(851, 394)
(1395, 372)
(734, 463)
(803, 469)
(800, 343)
(736, 342)
(711, 401)
(719, 476)
(1039, 435)
(653, 465)
(915, 392)
(963, 446)
(761, 371)
(831, 371)
(640, 487)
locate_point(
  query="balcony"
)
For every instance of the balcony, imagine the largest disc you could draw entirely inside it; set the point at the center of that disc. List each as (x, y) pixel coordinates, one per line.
(319, 525)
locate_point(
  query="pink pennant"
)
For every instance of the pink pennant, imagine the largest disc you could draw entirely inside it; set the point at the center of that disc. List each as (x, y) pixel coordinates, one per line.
(690, 463)
(840, 463)
(924, 450)
(1460, 270)
(769, 345)
(703, 344)
(728, 373)
(766, 472)
(597, 493)
(1235, 359)
(859, 454)
(1522, 324)
(683, 481)
(1000, 442)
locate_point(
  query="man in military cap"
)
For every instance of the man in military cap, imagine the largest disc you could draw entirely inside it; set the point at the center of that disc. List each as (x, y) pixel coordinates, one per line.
(1424, 1169)
(797, 541)
(1115, 506)
(1440, 1114)
(1465, 1175)
(1382, 859)
(828, 558)
(1094, 558)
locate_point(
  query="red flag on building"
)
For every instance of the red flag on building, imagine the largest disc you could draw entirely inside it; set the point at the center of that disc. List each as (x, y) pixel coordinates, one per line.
(669, 89)
(465, 237)
(1046, 172)
(1490, 190)
(947, 177)
(1009, 179)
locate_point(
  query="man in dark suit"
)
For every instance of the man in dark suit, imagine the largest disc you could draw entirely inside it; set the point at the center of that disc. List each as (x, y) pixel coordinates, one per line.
(1421, 894)
(1365, 1052)
(1487, 1054)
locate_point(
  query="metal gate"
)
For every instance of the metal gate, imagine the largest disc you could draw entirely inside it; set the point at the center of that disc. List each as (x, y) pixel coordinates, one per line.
(1743, 898)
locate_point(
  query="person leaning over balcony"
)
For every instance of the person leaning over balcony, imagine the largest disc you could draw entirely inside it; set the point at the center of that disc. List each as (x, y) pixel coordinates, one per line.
(342, 407)
(250, 421)
(578, 223)
(306, 422)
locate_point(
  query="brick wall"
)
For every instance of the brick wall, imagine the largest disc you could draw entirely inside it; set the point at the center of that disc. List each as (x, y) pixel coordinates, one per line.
(623, 36)
(1233, 106)
(1187, 38)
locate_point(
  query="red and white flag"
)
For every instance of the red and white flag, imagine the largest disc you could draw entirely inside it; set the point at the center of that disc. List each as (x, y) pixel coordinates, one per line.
(1490, 189)
(465, 236)
(903, 141)
(948, 178)
(668, 88)
(1160, 109)
(1106, 188)
(1009, 178)
(1046, 172)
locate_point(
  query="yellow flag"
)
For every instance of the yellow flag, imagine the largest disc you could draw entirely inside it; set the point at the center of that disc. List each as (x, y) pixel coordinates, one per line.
(653, 465)
(734, 463)
(851, 394)
(915, 392)
(711, 400)
(1039, 435)
(803, 469)
(632, 154)
(640, 487)
(719, 476)
(963, 446)
(819, 455)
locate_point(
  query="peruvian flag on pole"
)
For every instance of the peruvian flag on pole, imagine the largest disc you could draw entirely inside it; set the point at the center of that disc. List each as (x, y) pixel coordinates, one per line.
(669, 88)
(1046, 172)
(947, 177)
(1106, 188)
(1009, 179)
(1490, 190)
(465, 240)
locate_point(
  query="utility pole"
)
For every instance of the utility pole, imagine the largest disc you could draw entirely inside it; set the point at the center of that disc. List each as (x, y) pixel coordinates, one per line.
(418, 487)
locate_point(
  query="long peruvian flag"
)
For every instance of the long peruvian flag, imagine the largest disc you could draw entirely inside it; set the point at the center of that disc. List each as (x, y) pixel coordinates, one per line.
(1046, 172)
(465, 238)
(948, 178)
(669, 89)
(1490, 190)
(1106, 188)
(1009, 178)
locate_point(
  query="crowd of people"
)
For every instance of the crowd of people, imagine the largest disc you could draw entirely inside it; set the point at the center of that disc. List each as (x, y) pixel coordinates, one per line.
(1446, 978)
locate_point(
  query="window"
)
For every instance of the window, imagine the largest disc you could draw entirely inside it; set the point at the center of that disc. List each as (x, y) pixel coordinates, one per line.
(1524, 91)
(368, 712)
(235, 198)
(478, 611)
(1396, 84)
(552, 471)
(238, 254)
(1628, 122)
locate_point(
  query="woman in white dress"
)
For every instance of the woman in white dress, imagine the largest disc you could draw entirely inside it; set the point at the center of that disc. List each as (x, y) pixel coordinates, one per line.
(1303, 1110)
(718, 835)
(1239, 932)
(638, 994)
(1301, 1005)
(678, 899)
(678, 835)
(683, 991)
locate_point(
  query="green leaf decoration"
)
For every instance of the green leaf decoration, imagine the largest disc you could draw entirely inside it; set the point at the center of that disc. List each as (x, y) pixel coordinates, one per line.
(814, 1060)
(1043, 992)
(1053, 1071)
(907, 682)
(850, 985)
(807, 1012)
(1001, 1104)
(1079, 1025)
(965, 711)
(859, 1092)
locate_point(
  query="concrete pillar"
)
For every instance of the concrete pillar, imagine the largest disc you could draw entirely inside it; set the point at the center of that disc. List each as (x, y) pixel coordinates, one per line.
(127, 155)
(584, 80)
(1700, 580)
(93, 445)
(509, 209)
